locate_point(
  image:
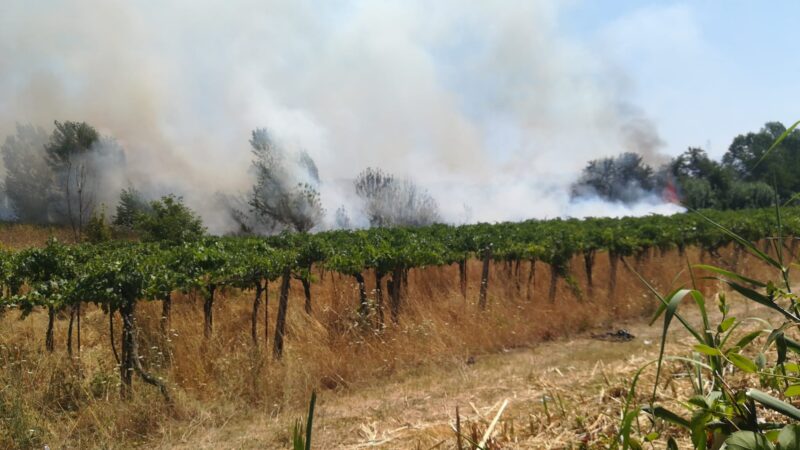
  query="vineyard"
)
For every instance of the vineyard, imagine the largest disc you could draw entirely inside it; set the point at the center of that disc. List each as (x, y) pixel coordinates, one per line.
(262, 321)
(117, 276)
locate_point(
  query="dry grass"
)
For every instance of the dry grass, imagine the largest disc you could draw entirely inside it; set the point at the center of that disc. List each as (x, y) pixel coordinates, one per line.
(17, 236)
(562, 394)
(225, 388)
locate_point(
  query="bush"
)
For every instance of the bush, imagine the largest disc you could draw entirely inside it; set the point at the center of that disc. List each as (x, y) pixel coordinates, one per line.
(131, 205)
(97, 230)
(750, 195)
(169, 220)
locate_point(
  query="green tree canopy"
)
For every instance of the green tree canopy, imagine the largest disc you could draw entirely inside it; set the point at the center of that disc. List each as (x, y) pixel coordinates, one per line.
(779, 168)
(131, 205)
(169, 220)
(623, 178)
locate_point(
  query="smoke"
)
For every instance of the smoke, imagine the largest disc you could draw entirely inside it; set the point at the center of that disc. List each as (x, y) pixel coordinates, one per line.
(107, 161)
(640, 136)
(286, 193)
(389, 201)
(488, 105)
(47, 185)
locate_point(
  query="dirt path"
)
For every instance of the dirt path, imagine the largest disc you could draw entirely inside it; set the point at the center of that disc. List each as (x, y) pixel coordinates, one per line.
(559, 392)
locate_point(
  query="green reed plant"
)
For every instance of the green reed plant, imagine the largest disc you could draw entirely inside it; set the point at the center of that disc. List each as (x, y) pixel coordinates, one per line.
(728, 407)
(301, 433)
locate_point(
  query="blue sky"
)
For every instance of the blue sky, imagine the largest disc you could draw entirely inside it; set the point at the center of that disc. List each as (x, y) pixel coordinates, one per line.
(704, 71)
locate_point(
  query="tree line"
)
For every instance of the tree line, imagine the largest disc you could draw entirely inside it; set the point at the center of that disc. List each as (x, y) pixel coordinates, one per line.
(64, 178)
(745, 177)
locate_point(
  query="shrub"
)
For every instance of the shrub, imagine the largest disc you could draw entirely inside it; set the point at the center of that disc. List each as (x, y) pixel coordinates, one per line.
(169, 220)
(750, 195)
(97, 230)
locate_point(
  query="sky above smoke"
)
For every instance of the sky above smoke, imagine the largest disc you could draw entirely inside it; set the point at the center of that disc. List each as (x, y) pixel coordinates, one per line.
(493, 106)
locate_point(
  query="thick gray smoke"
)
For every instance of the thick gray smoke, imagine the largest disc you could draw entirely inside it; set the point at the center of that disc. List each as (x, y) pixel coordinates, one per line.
(388, 201)
(488, 105)
(45, 183)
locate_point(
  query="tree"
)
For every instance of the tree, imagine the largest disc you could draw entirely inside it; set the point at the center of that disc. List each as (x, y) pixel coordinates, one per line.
(169, 220)
(743, 178)
(372, 182)
(29, 178)
(237, 207)
(56, 178)
(131, 205)
(342, 219)
(6, 213)
(705, 183)
(69, 155)
(698, 194)
(780, 167)
(286, 188)
(693, 163)
(80, 160)
(392, 202)
(624, 178)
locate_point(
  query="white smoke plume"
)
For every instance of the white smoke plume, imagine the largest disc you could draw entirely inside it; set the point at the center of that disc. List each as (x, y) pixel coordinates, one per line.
(489, 105)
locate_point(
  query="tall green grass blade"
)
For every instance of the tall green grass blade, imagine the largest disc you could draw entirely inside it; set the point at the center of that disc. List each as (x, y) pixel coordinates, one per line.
(760, 299)
(792, 345)
(701, 305)
(669, 416)
(729, 274)
(629, 415)
(698, 364)
(744, 242)
(671, 444)
(669, 313)
(778, 245)
(663, 304)
(791, 199)
(777, 142)
(310, 420)
(297, 436)
(301, 434)
(691, 273)
(625, 429)
(774, 404)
